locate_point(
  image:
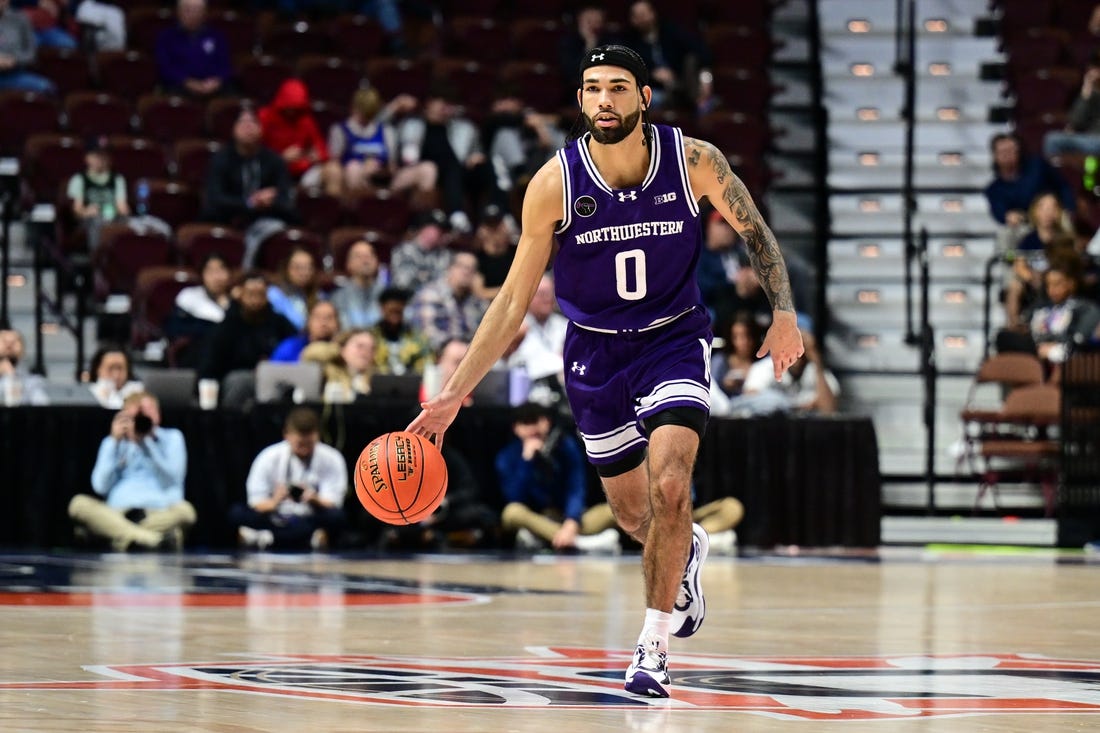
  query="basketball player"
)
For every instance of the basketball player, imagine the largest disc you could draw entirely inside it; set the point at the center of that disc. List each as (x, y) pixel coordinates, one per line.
(623, 203)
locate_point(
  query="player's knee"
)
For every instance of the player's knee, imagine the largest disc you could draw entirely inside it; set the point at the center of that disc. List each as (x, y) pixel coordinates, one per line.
(629, 519)
(511, 516)
(79, 506)
(185, 514)
(671, 491)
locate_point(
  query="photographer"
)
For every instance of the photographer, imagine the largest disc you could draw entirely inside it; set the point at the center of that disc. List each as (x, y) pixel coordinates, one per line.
(296, 490)
(139, 473)
(17, 385)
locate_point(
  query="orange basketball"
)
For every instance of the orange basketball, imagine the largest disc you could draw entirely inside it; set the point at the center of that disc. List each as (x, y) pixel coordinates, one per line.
(400, 478)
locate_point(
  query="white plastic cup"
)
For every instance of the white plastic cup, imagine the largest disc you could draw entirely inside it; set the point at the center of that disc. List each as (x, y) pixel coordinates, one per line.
(519, 386)
(208, 394)
(13, 391)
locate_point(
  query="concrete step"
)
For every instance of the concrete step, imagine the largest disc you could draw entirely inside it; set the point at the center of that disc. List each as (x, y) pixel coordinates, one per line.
(876, 53)
(881, 17)
(951, 259)
(885, 136)
(969, 530)
(887, 92)
(881, 213)
(856, 347)
(895, 404)
(877, 304)
(887, 177)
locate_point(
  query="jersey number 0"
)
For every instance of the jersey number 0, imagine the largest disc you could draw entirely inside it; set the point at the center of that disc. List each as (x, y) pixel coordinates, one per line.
(630, 265)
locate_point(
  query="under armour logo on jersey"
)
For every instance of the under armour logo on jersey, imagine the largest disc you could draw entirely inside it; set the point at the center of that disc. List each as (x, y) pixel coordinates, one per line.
(579, 368)
(597, 57)
(628, 195)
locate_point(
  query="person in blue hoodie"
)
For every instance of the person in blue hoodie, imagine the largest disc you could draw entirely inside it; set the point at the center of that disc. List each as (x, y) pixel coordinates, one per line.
(192, 57)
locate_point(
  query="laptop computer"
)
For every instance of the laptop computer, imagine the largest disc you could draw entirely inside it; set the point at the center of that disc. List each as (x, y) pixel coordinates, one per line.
(172, 387)
(276, 381)
(493, 390)
(69, 393)
(396, 387)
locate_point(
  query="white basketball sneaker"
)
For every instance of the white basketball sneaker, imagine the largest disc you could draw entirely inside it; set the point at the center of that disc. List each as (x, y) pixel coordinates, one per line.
(648, 671)
(690, 607)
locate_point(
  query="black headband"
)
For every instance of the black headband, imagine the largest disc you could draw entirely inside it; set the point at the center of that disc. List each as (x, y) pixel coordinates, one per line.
(615, 55)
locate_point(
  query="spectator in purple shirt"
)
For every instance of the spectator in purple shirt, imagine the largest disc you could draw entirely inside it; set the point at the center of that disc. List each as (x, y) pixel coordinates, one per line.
(191, 56)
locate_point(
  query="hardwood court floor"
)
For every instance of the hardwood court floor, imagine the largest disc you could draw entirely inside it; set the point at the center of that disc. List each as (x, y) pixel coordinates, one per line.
(895, 641)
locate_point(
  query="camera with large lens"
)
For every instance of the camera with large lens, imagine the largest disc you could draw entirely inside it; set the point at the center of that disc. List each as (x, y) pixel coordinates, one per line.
(143, 425)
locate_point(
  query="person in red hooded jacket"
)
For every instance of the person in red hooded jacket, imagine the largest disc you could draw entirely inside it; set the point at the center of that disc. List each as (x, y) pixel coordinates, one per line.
(290, 130)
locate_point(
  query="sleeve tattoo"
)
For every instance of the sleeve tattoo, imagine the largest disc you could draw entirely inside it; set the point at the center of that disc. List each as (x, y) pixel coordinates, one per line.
(764, 253)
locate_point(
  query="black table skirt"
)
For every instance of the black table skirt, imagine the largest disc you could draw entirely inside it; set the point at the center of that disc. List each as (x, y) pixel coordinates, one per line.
(807, 481)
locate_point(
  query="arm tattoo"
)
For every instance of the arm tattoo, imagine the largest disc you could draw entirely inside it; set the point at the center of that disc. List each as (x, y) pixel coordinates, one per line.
(764, 253)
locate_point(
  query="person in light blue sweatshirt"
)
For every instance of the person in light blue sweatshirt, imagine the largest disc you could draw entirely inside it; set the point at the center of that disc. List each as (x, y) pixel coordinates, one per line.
(138, 480)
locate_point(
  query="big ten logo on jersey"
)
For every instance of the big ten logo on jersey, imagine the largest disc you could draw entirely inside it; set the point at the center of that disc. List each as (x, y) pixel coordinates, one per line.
(664, 198)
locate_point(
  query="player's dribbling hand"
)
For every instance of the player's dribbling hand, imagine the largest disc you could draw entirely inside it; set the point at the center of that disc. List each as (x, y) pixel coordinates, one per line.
(436, 416)
(783, 341)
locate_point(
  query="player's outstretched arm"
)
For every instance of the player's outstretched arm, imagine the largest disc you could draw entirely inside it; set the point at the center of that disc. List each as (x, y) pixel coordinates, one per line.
(711, 176)
(542, 210)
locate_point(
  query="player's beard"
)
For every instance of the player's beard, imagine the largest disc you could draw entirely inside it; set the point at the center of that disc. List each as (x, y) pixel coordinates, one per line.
(612, 135)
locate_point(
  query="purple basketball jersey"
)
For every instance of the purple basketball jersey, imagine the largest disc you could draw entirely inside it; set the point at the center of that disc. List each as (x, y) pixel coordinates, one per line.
(627, 257)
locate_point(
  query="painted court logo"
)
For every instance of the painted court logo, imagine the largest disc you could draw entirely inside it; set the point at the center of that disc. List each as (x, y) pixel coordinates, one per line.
(790, 688)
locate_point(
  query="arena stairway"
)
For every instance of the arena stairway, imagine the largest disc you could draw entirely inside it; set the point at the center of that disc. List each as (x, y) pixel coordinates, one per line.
(956, 112)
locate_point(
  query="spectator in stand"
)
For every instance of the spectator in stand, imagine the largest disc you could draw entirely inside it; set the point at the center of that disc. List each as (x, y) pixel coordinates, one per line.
(1082, 133)
(52, 22)
(543, 340)
(453, 144)
(590, 32)
(198, 309)
(448, 307)
(107, 21)
(1017, 180)
(495, 242)
(424, 257)
(348, 364)
(807, 386)
(248, 186)
(544, 480)
(298, 288)
(98, 193)
(291, 131)
(387, 12)
(296, 490)
(322, 325)
(17, 52)
(676, 60)
(520, 141)
(192, 57)
(363, 149)
(400, 348)
(356, 300)
(249, 334)
(17, 385)
(720, 260)
(111, 376)
(1060, 321)
(1050, 235)
(731, 364)
(139, 472)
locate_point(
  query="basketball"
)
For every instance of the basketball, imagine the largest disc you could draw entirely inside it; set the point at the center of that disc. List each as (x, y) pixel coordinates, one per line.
(400, 478)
